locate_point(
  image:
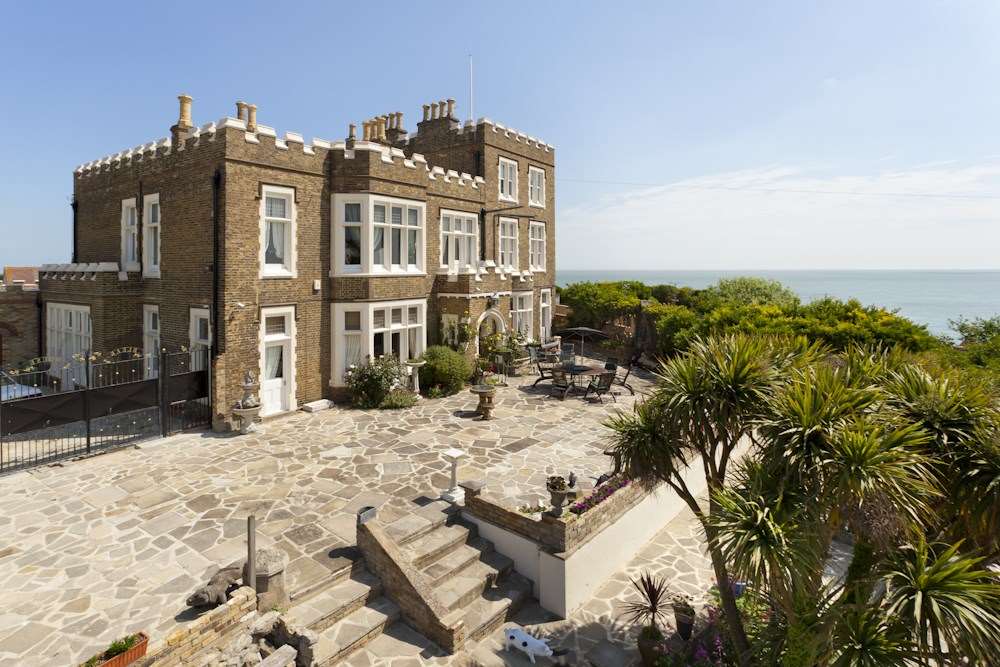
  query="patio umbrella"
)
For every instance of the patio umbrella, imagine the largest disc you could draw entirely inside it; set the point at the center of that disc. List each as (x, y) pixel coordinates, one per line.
(584, 333)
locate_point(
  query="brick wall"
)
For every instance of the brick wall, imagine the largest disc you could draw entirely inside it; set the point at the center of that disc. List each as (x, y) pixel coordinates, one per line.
(19, 322)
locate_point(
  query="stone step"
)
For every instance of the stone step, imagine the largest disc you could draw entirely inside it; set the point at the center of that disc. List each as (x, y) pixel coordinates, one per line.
(459, 559)
(468, 585)
(496, 605)
(436, 544)
(420, 521)
(353, 631)
(334, 603)
(315, 586)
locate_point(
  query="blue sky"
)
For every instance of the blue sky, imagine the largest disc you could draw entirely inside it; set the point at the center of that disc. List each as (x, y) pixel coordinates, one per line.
(689, 134)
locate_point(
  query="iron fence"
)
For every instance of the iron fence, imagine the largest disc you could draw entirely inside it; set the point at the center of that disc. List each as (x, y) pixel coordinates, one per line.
(57, 409)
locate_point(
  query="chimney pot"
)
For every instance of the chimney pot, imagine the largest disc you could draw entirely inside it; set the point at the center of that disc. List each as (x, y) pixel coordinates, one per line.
(451, 108)
(184, 119)
(399, 120)
(381, 128)
(434, 110)
(251, 118)
(352, 132)
(241, 110)
(365, 131)
(427, 112)
(442, 106)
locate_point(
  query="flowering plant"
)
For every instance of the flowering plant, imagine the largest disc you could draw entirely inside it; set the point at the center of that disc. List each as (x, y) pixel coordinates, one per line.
(599, 495)
(372, 381)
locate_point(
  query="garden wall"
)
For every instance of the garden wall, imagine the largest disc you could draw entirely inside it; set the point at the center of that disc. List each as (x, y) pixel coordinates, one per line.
(567, 558)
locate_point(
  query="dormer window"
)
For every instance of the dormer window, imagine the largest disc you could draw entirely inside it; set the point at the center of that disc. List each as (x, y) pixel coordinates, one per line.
(508, 180)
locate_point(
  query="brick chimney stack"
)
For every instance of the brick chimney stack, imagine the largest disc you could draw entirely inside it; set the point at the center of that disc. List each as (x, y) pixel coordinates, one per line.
(395, 131)
(182, 130)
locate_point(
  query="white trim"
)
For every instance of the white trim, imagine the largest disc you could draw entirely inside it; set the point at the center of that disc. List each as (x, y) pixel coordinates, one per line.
(530, 310)
(150, 270)
(289, 268)
(129, 204)
(59, 331)
(544, 328)
(368, 267)
(194, 340)
(367, 332)
(515, 266)
(491, 313)
(288, 312)
(533, 225)
(503, 196)
(476, 295)
(472, 266)
(536, 203)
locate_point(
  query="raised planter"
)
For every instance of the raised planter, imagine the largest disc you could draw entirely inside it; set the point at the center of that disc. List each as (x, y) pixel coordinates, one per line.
(123, 659)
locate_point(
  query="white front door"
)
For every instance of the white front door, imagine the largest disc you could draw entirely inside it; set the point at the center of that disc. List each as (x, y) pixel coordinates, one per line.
(277, 384)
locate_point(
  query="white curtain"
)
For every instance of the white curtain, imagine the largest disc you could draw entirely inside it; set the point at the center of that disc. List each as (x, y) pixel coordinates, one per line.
(275, 253)
(379, 244)
(273, 366)
(352, 350)
(412, 342)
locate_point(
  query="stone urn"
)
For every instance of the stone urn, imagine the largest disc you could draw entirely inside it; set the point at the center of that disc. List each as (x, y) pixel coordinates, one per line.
(414, 366)
(556, 486)
(486, 393)
(247, 409)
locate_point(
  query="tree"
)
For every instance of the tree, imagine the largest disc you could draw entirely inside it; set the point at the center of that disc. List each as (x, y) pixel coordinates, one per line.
(704, 406)
(748, 291)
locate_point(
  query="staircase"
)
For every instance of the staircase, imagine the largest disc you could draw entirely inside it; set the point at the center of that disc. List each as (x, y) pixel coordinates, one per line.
(469, 578)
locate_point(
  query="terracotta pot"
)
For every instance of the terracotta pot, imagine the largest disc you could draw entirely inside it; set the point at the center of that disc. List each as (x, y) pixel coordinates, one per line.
(131, 655)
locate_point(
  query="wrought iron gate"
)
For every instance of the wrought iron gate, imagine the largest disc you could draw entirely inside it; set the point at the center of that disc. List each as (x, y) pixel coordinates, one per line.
(55, 410)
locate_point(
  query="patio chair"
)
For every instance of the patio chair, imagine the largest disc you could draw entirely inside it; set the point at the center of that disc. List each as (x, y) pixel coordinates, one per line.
(567, 353)
(601, 385)
(611, 364)
(561, 384)
(622, 379)
(543, 363)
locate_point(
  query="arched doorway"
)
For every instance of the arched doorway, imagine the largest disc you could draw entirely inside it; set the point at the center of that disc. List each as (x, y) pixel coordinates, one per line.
(488, 324)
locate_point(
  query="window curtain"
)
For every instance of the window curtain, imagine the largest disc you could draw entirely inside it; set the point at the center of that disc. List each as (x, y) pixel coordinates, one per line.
(412, 342)
(352, 350)
(379, 244)
(273, 366)
(275, 252)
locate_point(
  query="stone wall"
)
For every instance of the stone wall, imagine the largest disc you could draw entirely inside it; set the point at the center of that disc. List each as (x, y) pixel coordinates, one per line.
(409, 588)
(19, 325)
(181, 646)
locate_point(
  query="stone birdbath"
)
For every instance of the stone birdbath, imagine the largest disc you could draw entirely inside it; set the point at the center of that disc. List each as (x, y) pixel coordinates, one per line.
(414, 366)
(247, 409)
(486, 393)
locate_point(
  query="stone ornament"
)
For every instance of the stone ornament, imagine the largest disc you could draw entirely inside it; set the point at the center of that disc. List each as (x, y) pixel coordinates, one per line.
(217, 590)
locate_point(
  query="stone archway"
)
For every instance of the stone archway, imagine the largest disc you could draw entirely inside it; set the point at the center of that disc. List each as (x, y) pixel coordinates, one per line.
(489, 322)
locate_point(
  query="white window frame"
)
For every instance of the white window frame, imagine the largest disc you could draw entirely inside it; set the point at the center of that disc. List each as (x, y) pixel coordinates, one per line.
(368, 267)
(195, 340)
(68, 330)
(151, 269)
(536, 245)
(536, 193)
(522, 318)
(151, 352)
(129, 236)
(544, 315)
(288, 268)
(469, 242)
(368, 331)
(503, 251)
(288, 312)
(507, 179)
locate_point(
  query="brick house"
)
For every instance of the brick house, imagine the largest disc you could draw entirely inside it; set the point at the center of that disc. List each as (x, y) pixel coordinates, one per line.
(296, 259)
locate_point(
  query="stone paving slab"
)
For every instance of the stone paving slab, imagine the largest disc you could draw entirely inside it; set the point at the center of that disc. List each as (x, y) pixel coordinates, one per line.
(94, 549)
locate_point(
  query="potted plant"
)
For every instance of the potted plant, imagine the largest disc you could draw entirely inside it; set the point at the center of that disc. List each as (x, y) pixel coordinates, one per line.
(121, 652)
(556, 486)
(683, 615)
(649, 610)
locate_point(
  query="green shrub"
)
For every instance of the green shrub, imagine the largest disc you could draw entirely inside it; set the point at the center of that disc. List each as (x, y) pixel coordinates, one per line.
(596, 304)
(747, 291)
(398, 399)
(675, 326)
(445, 371)
(117, 647)
(372, 381)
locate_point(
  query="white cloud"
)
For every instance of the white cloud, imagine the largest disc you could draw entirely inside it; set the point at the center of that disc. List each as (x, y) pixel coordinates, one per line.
(781, 217)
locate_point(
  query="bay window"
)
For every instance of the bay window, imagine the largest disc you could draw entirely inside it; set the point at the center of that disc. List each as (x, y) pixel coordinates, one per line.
(277, 232)
(508, 243)
(459, 241)
(130, 236)
(377, 235)
(507, 177)
(536, 246)
(151, 236)
(520, 313)
(536, 187)
(365, 330)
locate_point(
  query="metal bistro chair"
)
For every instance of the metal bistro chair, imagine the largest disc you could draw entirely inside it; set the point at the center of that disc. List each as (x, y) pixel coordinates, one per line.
(543, 363)
(561, 384)
(601, 385)
(622, 379)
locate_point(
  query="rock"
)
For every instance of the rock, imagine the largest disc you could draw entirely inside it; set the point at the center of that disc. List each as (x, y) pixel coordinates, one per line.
(270, 574)
(264, 625)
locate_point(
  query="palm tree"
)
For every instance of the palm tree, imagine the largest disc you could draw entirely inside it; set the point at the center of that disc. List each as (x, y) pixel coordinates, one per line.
(703, 408)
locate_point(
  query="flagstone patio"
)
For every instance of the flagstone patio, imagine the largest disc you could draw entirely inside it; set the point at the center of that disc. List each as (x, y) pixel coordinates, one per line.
(96, 548)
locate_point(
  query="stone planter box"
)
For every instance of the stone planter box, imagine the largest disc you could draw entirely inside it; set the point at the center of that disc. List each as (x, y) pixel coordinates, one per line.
(129, 656)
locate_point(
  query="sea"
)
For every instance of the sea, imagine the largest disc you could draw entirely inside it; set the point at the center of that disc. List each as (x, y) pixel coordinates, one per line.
(931, 298)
